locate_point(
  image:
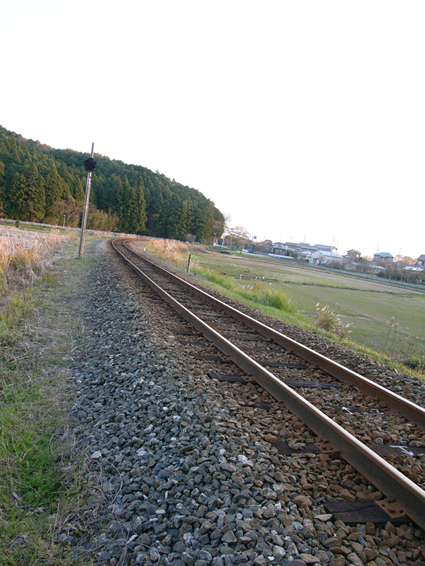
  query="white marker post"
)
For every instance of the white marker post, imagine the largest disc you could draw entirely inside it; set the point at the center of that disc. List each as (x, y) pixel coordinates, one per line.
(90, 165)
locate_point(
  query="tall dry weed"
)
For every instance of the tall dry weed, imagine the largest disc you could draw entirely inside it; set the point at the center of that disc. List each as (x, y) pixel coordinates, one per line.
(404, 347)
(170, 250)
(327, 320)
(23, 259)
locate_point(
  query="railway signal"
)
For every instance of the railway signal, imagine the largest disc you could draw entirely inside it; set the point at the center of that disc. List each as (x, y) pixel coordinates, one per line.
(90, 165)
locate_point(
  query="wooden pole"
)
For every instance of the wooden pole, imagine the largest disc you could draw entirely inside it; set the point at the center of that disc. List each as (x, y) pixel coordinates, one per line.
(85, 209)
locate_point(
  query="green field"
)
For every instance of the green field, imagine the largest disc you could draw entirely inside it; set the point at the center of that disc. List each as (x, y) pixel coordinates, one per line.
(383, 316)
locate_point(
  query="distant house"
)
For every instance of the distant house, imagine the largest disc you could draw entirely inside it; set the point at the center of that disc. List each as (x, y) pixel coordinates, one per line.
(278, 248)
(421, 260)
(291, 248)
(322, 257)
(352, 255)
(383, 256)
(304, 251)
(323, 248)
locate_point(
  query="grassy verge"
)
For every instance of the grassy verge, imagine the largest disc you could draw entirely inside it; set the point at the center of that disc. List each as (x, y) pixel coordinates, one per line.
(259, 295)
(256, 294)
(291, 294)
(42, 477)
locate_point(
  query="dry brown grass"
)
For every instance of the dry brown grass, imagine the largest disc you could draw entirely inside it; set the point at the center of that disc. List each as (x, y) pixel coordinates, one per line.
(24, 259)
(170, 250)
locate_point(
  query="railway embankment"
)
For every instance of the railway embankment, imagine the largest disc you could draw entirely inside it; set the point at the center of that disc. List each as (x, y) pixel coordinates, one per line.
(154, 462)
(186, 466)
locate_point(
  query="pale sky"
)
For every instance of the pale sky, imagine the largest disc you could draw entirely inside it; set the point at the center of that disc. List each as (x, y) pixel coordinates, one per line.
(302, 120)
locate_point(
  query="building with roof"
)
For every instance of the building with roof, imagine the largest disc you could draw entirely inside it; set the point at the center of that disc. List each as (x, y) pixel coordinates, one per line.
(323, 248)
(383, 256)
(323, 257)
(352, 255)
(278, 248)
(301, 251)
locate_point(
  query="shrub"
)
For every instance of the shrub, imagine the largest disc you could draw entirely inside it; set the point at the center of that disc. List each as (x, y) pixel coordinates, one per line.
(335, 265)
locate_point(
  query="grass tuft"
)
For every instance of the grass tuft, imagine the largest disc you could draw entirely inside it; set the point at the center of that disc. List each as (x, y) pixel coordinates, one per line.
(327, 320)
(268, 296)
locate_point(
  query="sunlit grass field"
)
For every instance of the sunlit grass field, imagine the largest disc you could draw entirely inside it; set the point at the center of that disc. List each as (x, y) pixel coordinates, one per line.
(382, 316)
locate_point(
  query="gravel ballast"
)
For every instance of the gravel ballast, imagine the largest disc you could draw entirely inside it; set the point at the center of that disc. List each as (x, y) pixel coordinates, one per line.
(187, 465)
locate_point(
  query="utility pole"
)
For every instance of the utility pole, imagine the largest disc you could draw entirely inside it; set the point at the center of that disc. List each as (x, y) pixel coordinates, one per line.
(90, 165)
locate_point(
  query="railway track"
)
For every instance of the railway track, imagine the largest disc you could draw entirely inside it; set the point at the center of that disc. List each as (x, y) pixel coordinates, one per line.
(293, 374)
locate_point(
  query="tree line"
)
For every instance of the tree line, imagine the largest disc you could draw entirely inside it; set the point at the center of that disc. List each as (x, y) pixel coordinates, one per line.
(42, 184)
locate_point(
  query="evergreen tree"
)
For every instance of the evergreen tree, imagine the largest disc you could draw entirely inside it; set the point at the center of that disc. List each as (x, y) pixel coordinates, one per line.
(28, 202)
(78, 191)
(205, 224)
(185, 219)
(141, 205)
(17, 196)
(128, 213)
(66, 177)
(117, 194)
(36, 196)
(2, 184)
(155, 213)
(172, 215)
(54, 189)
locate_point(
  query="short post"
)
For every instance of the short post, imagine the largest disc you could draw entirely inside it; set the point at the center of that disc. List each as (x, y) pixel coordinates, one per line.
(90, 165)
(188, 264)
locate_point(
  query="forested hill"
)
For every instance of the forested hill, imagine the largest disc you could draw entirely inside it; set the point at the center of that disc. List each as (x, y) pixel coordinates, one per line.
(42, 184)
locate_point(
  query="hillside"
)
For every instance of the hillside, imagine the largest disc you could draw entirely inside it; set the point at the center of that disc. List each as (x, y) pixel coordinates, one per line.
(42, 184)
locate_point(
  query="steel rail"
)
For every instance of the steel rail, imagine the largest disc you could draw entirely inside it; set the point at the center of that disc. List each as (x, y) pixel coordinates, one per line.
(410, 410)
(409, 496)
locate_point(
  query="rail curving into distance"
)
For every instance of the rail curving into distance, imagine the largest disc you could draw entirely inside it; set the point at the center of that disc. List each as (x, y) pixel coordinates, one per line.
(396, 486)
